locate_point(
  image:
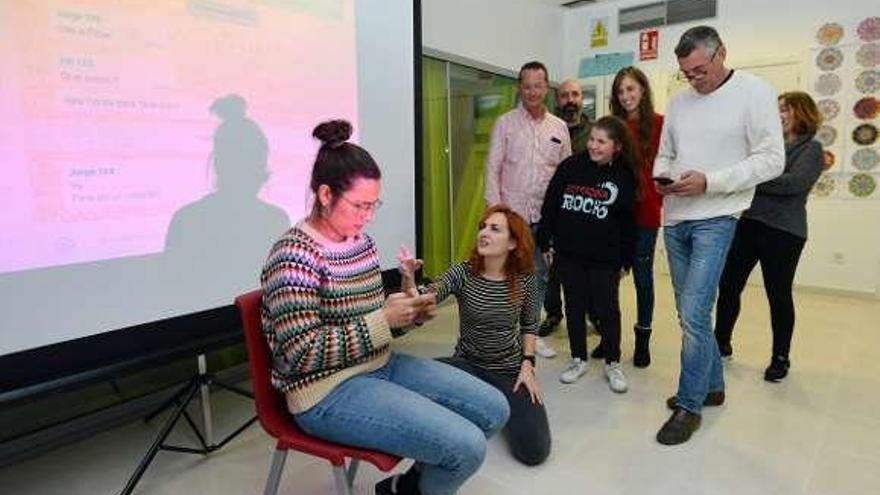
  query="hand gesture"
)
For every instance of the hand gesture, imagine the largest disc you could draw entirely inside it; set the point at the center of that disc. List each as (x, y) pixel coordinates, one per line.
(527, 379)
(408, 265)
(429, 307)
(691, 183)
(401, 309)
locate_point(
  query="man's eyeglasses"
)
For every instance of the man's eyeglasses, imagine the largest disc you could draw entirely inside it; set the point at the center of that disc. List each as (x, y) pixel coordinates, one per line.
(364, 206)
(698, 71)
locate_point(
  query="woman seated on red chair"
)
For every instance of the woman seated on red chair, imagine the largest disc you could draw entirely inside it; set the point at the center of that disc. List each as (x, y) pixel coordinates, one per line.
(328, 323)
(498, 323)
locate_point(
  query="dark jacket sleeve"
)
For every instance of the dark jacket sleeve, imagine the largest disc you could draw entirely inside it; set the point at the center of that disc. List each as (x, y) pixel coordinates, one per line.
(802, 170)
(628, 224)
(550, 207)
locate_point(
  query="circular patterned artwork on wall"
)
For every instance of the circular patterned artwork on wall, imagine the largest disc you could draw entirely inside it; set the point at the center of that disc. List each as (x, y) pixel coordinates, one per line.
(826, 135)
(829, 58)
(865, 159)
(868, 81)
(869, 29)
(862, 185)
(828, 159)
(869, 55)
(866, 108)
(828, 84)
(824, 186)
(829, 34)
(865, 135)
(828, 108)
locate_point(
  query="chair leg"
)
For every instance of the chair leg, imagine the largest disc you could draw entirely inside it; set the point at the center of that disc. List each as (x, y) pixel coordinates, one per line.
(352, 471)
(342, 485)
(275, 471)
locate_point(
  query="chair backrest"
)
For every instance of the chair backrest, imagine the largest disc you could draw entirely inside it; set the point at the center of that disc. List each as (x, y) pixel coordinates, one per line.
(271, 406)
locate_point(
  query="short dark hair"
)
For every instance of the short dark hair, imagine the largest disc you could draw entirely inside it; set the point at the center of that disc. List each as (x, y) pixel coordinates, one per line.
(698, 36)
(339, 163)
(533, 65)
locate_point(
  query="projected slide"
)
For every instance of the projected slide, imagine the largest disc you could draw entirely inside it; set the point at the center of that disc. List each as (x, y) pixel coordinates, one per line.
(135, 128)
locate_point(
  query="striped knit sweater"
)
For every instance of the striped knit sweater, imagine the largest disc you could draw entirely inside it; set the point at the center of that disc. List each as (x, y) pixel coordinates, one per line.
(491, 322)
(322, 314)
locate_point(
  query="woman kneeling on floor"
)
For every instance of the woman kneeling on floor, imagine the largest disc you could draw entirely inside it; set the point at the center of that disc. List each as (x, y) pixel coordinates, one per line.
(498, 323)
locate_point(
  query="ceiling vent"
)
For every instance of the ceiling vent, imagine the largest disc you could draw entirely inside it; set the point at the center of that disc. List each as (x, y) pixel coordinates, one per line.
(678, 11)
(641, 17)
(665, 13)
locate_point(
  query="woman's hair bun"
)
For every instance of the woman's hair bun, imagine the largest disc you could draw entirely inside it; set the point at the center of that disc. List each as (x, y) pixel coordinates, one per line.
(333, 132)
(230, 107)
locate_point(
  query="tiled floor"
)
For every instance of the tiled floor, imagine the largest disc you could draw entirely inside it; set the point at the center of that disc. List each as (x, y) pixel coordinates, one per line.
(816, 433)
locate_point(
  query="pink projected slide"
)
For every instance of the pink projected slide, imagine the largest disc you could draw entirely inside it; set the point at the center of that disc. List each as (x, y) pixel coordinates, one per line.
(123, 124)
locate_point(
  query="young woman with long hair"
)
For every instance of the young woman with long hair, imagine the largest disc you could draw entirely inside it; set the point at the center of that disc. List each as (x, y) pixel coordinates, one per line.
(633, 102)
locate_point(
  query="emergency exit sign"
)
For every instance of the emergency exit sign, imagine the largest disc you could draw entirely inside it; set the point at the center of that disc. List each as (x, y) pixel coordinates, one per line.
(649, 41)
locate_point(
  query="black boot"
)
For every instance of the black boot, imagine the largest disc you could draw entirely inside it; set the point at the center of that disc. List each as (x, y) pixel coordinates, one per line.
(402, 484)
(642, 355)
(778, 369)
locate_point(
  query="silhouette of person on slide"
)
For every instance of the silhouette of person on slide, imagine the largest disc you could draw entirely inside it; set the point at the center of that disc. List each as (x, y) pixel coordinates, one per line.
(217, 244)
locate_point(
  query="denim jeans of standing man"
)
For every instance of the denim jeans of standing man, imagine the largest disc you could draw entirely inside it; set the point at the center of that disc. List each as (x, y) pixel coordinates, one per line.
(415, 408)
(697, 250)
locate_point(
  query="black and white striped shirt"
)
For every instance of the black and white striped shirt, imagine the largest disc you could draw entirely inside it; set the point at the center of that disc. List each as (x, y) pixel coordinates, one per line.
(491, 322)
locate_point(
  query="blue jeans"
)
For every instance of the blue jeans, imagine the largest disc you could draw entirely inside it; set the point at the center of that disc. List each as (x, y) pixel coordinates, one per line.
(697, 250)
(541, 268)
(643, 275)
(416, 408)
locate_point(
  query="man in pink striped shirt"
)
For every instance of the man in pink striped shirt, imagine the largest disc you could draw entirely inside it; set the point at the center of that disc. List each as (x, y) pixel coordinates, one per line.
(527, 144)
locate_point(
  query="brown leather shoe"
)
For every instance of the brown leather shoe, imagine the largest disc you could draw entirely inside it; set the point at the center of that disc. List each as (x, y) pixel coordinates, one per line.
(679, 427)
(712, 399)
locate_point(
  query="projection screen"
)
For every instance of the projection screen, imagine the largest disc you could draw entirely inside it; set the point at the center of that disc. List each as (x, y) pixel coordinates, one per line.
(152, 151)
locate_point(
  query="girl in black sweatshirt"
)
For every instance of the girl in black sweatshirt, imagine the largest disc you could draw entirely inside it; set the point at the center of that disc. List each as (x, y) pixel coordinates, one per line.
(587, 222)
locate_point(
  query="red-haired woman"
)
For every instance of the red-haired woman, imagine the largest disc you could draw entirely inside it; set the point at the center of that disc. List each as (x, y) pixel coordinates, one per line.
(498, 323)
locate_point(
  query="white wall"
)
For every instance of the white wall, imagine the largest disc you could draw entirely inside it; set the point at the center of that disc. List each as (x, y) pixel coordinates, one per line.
(503, 33)
(843, 252)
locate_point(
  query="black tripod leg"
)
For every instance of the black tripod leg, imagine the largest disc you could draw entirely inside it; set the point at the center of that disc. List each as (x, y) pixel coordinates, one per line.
(160, 439)
(195, 430)
(174, 399)
(233, 435)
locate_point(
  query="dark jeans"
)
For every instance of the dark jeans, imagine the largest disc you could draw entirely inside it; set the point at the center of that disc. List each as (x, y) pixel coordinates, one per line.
(643, 275)
(596, 289)
(553, 296)
(527, 430)
(779, 253)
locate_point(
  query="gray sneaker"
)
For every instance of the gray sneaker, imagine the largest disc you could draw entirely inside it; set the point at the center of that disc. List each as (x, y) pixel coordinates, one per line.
(616, 378)
(575, 369)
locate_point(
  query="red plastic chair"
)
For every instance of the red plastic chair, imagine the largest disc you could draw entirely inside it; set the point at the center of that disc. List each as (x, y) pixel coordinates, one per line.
(279, 423)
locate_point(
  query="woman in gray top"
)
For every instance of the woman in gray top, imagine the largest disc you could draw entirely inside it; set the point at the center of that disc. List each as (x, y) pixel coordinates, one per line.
(773, 232)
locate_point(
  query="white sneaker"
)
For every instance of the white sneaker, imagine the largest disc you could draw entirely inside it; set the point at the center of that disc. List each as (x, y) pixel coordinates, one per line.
(616, 378)
(576, 369)
(543, 349)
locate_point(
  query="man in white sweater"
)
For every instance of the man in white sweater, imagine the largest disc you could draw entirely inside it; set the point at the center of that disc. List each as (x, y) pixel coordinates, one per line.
(721, 138)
